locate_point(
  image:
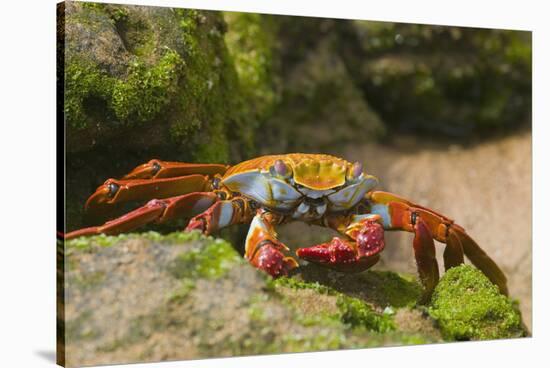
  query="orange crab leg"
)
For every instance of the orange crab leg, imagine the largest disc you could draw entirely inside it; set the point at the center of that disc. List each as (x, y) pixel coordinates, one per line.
(156, 210)
(400, 214)
(118, 191)
(222, 214)
(424, 254)
(156, 169)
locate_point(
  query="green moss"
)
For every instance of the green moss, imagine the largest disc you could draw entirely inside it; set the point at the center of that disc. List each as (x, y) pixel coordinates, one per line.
(212, 260)
(146, 90)
(88, 280)
(188, 21)
(78, 329)
(256, 308)
(388, 288)
(467, 306)
(296, 284)
(358, 313)
(102, 240)
(210, 95)
(351, 311)
(445, 80)
(138, 98)
(84, 80)
(116, 12)
(217, 149)
(324, 340)
(321, 319)
(183, 291)
(251, 42)
(177, 73)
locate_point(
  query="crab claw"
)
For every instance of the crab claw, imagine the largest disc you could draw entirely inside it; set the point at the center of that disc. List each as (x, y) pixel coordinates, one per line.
(348, 256)
(271, 260)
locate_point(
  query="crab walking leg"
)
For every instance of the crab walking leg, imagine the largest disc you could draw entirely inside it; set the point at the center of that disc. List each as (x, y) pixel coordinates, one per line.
(156, 169)
(222, 214)
(424, 254)
(118, 191)
(400, 214)
(156, 210)
(360, 251)
(263, 250)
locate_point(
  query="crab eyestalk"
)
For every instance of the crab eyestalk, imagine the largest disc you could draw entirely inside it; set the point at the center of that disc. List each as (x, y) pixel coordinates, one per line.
(280, 169)
(355, 171)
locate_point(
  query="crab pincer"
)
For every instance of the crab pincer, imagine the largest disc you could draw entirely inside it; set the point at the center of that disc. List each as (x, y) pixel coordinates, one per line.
(355, 255)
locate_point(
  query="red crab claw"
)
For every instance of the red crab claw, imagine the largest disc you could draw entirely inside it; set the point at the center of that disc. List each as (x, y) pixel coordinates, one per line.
(349, 256)
(271, 259)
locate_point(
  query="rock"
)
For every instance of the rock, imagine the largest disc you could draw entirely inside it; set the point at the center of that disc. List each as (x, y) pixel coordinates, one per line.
(148, 297)
(156, 82)
(458, 82)
(321, 107)
(151, 75)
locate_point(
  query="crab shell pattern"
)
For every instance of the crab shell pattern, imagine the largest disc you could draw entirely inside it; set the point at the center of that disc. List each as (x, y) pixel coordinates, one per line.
(306, 186)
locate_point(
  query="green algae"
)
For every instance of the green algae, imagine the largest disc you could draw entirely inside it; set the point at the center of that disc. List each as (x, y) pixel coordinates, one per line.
(391, 289)
(102, 240)
(147, 90)
(467, 306)
(175, 75)
(212, 260)
(138, 98)
(251, 42)
(83, 80)
(208, 258)
(445, 80)
(358, 313)
(351, 311)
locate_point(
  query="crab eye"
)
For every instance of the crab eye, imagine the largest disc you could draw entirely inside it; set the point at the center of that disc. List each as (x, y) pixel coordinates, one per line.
(113, 189)
(281, 169)
(356, 171)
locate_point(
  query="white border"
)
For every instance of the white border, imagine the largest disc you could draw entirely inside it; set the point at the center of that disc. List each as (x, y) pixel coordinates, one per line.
(27, 115)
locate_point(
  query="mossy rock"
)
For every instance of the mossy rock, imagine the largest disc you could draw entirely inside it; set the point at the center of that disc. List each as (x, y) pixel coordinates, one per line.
(133, 70)
(321, 108)
(440, 80)
(150, 297)
(467, 306)
(154, 82)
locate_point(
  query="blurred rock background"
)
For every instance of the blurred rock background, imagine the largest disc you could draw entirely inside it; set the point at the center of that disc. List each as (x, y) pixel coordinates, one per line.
(440, 114)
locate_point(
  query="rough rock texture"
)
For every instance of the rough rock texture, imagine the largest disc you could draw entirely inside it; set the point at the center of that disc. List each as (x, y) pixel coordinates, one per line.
(153, 82)
(441, 80)
(150, 297)
(321, 106)
(161, 75)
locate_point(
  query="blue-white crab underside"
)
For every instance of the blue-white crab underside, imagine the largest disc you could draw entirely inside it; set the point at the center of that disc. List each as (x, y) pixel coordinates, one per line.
(303, 203)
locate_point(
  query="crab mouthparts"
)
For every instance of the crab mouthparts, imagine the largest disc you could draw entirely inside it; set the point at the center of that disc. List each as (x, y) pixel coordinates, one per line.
(311, 208)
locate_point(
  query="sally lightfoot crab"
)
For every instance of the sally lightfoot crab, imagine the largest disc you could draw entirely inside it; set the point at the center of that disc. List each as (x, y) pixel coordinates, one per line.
(271, 190)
